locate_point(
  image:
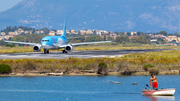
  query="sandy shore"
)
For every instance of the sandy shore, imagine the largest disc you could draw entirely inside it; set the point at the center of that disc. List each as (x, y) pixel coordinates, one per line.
(140, 73)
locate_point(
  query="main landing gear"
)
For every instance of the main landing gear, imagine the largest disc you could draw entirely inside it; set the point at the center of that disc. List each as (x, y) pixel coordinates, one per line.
(64, 51)
(46, 51)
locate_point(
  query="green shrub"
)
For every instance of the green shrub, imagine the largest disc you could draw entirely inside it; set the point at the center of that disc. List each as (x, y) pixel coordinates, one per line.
(4, 68)
(154, 71)
(102, 69)
(10, 45)
(146, 66)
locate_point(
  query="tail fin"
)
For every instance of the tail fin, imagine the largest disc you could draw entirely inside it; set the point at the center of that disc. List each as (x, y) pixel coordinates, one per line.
(64, 29)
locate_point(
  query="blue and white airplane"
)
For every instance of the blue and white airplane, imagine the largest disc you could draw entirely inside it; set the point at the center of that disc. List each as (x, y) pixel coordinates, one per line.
(55, 42)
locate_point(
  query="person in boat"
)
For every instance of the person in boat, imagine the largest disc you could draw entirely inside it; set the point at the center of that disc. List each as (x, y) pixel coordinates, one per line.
(155, 81)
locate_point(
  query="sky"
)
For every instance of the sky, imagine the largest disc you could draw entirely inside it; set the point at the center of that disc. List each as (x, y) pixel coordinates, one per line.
(7, 4)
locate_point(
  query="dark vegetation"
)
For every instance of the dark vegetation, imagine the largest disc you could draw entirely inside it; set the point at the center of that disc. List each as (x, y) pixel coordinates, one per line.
(146, 66)
(10, 45)
(102, 69)
(141, 37)
(5, 69)
(12, 29)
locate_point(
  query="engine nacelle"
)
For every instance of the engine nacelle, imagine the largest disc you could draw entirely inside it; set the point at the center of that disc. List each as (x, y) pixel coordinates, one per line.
(36, 48)
(69, 48)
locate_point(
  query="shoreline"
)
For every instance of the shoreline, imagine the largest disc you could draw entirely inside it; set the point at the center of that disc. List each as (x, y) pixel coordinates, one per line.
(140, 73)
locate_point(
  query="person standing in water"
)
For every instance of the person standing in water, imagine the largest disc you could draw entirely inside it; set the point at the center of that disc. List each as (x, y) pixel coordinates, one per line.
(155, 81)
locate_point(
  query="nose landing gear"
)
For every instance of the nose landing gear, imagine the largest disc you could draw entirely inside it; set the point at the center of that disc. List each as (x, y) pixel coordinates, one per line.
(46, 51)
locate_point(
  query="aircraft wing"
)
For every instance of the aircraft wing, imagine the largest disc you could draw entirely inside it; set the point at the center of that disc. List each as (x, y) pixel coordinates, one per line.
(20, 42)
(75, 38)
(86, 43)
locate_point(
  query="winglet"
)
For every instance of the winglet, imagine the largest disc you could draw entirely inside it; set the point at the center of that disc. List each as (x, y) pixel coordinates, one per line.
(64, 29)
(3, 37)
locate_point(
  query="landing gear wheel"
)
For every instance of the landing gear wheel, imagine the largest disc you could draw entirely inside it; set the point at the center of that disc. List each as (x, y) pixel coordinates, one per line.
(64, 51)
(46, 51)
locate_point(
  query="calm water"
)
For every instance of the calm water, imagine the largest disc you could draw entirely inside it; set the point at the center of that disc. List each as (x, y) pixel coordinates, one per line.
(81, 88)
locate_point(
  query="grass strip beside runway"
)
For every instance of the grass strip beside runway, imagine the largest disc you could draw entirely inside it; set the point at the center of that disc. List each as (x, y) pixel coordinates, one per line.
(163, 60)
(10, 50)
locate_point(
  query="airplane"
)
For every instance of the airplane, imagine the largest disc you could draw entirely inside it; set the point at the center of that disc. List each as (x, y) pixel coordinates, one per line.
(55, 42)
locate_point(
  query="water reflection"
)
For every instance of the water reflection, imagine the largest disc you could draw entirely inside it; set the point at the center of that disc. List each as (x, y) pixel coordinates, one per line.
(159, 98)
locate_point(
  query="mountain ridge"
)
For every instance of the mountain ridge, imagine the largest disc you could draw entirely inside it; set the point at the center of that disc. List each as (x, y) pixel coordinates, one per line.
(114, 15)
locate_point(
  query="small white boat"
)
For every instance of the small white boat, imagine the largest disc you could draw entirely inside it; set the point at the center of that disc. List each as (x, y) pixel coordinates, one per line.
(55, 74)
(159, 92)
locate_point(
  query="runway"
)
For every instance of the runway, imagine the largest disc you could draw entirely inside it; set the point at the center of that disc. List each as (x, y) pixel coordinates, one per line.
(75, 54)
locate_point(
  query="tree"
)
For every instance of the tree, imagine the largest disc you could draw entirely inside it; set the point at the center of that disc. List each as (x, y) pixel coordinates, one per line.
(54, 30)
(94, 33)
(98, 38)
(134, 40)
(129, 33)
(93, 38)
(121, 33)
(79, 33)
(163, 33)
(177, 34)
(10, 45)
(138, 33)
(119, 39)
(46, 31)
(104, 39)
(160, 41)
(125, 38)
(89, 39)
(3, 43)
(109, 38)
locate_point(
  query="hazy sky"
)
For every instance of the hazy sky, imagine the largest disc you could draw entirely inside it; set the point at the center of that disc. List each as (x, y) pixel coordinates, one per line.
(7, 4)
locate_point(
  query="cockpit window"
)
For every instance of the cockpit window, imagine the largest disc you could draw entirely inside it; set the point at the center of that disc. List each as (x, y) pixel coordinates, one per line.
(45, 40)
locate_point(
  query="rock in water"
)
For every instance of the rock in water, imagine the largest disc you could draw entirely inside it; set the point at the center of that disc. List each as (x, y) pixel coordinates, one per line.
(135, 83)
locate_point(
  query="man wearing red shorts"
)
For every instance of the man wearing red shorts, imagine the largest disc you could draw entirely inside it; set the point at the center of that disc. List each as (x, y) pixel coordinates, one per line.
(155, 81)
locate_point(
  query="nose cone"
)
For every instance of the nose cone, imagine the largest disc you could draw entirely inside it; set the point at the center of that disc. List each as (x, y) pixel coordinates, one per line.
(43, 45)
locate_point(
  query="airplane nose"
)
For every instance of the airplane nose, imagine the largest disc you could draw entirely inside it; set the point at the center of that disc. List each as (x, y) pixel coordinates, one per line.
(43, 45)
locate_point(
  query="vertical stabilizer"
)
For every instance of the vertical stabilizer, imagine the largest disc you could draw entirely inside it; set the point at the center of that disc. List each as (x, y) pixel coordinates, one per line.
(64, 29)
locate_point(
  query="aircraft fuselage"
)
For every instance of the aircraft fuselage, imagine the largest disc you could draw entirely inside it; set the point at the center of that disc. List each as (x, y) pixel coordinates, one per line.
(53, 42)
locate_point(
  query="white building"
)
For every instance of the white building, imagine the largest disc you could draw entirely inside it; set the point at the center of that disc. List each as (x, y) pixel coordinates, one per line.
(59, 32)
(52, 33)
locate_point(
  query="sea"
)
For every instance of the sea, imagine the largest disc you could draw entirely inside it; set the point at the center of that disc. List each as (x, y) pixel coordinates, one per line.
(84, 88)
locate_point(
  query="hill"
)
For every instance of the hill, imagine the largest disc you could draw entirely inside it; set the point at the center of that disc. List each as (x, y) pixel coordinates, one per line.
(114, 15)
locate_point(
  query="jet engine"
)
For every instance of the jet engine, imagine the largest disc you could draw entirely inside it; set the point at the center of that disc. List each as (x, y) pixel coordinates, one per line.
(36, 48)
(69, 48)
